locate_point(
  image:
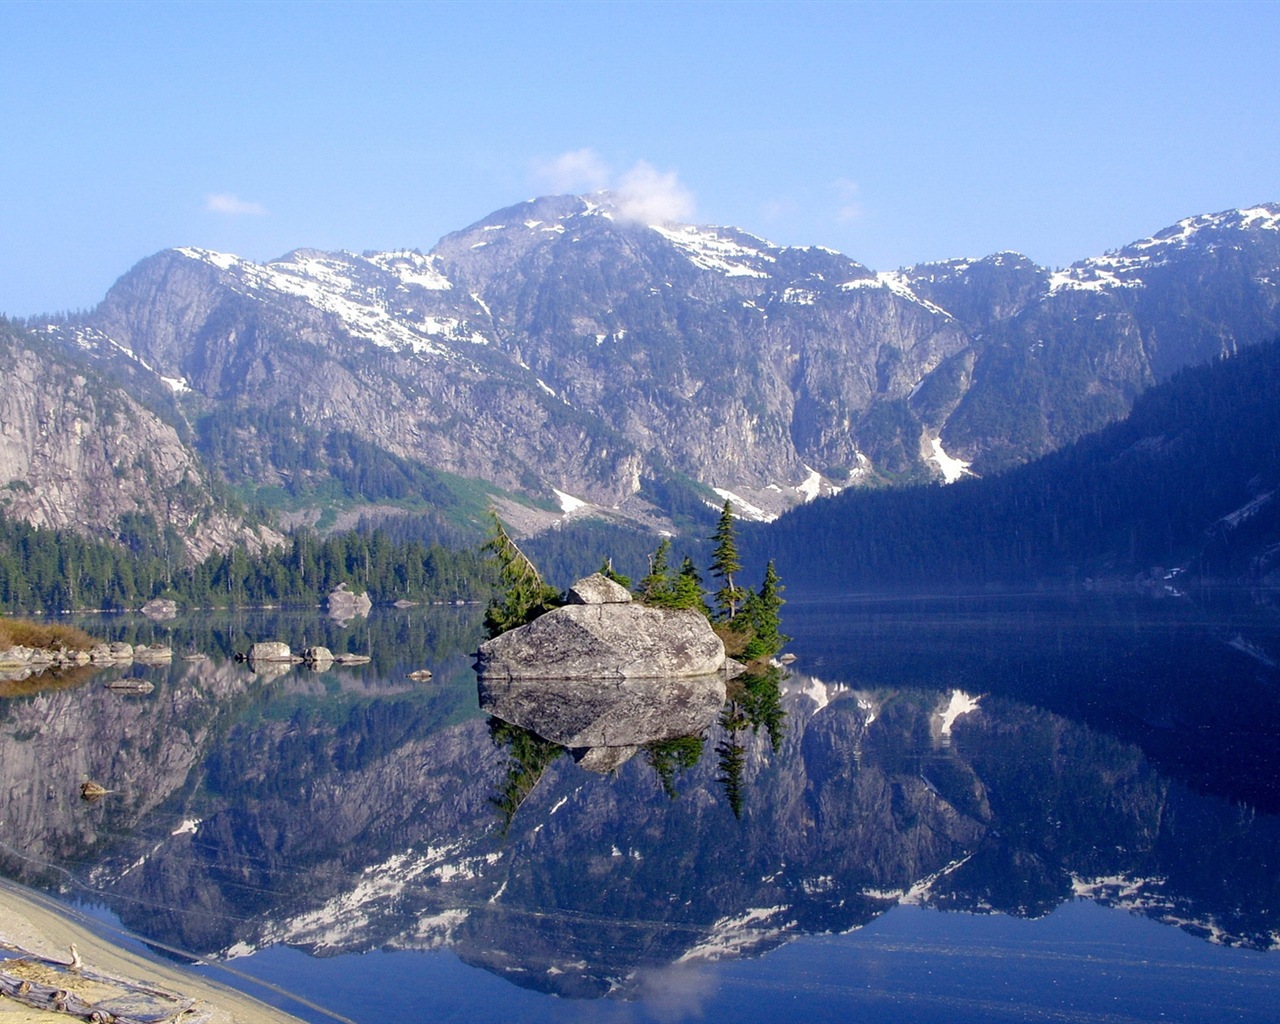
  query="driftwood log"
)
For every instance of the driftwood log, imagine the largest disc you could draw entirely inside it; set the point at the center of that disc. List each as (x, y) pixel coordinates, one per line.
(150, 1006)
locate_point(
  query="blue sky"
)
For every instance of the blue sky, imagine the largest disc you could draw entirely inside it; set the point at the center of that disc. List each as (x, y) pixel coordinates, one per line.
(895, 133)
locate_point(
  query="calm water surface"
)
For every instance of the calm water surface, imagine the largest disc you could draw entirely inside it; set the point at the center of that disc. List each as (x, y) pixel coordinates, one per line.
(996, 809)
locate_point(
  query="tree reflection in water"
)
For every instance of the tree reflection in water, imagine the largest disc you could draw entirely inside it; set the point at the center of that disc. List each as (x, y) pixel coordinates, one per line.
(530, 756)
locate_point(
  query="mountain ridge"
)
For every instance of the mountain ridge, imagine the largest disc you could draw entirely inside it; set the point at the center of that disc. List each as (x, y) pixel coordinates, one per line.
(563, 351)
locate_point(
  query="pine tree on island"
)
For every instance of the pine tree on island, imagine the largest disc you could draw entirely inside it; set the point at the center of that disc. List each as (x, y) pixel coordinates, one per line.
(687, 589)
(655, 587)
(526, 595)
(761, 611)
(725, 562)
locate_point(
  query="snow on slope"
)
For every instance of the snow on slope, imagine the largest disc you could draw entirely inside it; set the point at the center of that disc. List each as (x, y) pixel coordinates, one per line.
(354, 289)
(897, 283)
(709, 249)
(1122, 268)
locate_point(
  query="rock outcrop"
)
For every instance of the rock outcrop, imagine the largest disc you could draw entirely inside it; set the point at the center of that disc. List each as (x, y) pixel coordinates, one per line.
(78, 451)
(270, 651)
(160, 609)
(613, 640)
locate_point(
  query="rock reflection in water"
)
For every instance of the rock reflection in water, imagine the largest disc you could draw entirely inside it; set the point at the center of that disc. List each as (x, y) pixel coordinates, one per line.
(604, 722)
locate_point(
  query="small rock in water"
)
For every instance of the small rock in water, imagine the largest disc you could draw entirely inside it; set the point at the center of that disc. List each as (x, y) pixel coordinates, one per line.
(270, 650)
(318, 657)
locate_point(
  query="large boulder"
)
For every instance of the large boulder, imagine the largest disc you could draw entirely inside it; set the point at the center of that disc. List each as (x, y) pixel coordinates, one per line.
(605, 641)
(269, 651)
(597, 589)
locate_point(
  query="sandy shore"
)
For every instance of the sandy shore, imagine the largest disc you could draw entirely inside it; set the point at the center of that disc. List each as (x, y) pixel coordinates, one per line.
(35, 924)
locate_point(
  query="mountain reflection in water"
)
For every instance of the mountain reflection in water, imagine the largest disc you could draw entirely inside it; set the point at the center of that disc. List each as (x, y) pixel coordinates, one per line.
(351, 810)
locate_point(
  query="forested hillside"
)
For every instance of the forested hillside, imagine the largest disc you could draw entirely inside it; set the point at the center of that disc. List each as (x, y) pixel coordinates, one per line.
(1187, 482)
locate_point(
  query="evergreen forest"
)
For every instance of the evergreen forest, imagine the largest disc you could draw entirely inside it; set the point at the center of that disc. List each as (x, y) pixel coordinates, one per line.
(51, 571)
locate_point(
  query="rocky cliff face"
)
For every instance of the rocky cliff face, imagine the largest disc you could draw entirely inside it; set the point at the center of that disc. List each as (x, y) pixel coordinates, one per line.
(561, 351)
(80, 452)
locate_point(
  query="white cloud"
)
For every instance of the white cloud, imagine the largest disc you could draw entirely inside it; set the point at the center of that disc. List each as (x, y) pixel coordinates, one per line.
(648, 196)
(234, 206)
(644, 194)
(579, 170)
(848, 196)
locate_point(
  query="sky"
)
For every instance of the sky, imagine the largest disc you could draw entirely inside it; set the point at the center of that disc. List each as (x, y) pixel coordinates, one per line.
(895, 133)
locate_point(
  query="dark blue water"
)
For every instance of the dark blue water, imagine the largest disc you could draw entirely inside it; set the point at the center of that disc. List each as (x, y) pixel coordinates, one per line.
(993, 809)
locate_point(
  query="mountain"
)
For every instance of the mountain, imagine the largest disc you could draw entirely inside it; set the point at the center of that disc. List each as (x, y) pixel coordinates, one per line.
(1187, 486)
(569, 361)
(83, 451)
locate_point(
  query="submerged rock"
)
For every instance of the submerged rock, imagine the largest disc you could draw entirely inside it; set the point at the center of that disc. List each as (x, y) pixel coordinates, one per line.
(151, 654)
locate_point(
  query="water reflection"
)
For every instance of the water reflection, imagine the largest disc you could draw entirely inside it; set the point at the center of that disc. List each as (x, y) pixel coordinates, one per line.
(351, 810)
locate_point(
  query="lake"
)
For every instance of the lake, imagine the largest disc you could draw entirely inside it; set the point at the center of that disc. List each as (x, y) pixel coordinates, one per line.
(946, 810)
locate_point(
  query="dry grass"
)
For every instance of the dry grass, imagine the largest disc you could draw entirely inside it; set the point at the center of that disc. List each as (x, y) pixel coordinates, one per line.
(41, 635)
(734, 642)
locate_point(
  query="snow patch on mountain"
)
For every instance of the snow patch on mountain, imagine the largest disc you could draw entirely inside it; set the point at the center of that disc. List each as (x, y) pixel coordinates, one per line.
(733, 936)
(708, 249)
(1122, 268)
(815, 689)
(1095, 275)
(799, 296)
(353, 289)
(959, 703)
(811, 486)
(743, 509)
(435, 931)
(898, 283)
(951, 469)
(568, 503)
(412, 268)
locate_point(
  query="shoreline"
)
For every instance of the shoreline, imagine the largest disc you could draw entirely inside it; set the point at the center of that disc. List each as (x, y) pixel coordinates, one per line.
(32, 923)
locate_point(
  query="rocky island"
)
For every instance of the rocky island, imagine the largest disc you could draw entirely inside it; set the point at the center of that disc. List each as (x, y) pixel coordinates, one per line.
(602, 634)
(604, 675)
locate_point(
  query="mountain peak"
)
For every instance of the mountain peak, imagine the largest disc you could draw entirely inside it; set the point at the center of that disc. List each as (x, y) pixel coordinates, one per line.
(1125, 267)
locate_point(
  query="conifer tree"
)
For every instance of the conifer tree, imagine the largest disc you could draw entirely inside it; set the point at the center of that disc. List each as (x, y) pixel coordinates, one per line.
(724, 563)
(762, 614)
(686, 592)
(656, 587)
(526, 595)
(606, 570)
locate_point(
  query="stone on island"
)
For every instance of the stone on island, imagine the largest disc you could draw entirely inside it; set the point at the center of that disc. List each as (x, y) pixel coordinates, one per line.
(602, 634)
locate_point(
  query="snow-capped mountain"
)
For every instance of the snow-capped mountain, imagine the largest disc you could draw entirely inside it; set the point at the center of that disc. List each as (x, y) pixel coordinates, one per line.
(562, 350)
